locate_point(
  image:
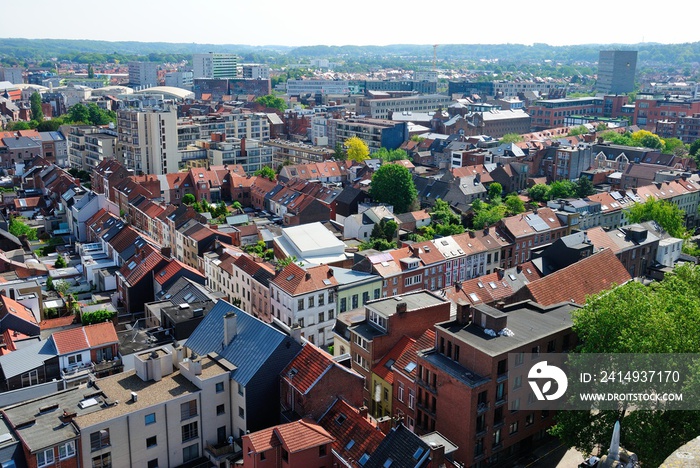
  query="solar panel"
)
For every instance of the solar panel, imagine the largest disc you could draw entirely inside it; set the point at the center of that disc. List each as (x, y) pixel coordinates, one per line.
(536, 223)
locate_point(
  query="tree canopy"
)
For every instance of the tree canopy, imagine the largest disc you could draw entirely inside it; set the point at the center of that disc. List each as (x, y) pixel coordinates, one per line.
(35, 103)
(266, 172)
(357, 150)
(392, 184)
(668, 215)
(539, 192)
(495, 190)
(18, 228)
(511, 138)
(390, 155)
(661, 318)
(273, 102)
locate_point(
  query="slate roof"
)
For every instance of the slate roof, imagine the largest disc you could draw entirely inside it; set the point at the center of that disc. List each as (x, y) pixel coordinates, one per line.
(400, 448)
(354, 435)
(574, 283)
(253, 344)
(23, 360)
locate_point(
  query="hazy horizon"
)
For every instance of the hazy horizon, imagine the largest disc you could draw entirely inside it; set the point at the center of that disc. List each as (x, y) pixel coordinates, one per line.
(362, 23)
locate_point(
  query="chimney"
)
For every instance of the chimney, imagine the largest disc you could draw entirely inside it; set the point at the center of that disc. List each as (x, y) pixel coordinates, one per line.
(230, 327)
(134, 397)
(364, 411)
(307, 276)
(166, 252)
(499, 271)
(519, 269)
(330, 272)
(295, 333)
(437, 454)
(384, 424)
(463, 312)
(401, 307)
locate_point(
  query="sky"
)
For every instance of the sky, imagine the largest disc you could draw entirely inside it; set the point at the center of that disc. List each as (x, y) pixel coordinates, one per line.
(357, 22)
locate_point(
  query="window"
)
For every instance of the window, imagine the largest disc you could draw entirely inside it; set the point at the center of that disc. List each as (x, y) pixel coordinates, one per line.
(386, 394)
(519, 359)
(514, 427)
(496, 437)
(311, 301)
(219, 387)
(153, 463)
(190, 431)
(321, 299)
(322, 450)
(455, 354)
(102, 461)
(321, 317)
(301, 322)
(535, 351)
(343, 304)
(262, 456)
(518, 382)
(411, 398)
(241, 412)
(45, 458)
(66, 450)
(149, 418)
(190, 453)
(400, 392)
(240, 389)
(188, 410)
(220, 409)
(285, 455)
(151, 442)
(99, 439)
(377, 293)
(300, 304)
(104, 354)
(529, 419)
(75, 359)
(515, 405)
(331, 314)
(551, 346)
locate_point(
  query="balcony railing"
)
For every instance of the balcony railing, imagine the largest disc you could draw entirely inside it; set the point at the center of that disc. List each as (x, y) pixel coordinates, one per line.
(220, 449)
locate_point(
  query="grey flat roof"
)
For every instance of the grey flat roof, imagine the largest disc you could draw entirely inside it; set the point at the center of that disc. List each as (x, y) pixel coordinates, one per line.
(454, 369)
(527, 324)
(47, 429)
(414, 301)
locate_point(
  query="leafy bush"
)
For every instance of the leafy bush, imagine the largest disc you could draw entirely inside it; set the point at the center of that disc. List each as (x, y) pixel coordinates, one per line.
(98, 316)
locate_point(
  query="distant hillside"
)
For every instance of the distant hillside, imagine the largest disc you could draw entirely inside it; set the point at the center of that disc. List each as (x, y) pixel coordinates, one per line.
(84, 50)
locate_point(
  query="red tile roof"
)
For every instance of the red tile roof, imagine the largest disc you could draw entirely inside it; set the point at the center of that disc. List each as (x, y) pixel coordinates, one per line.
(408, 360)
(576, 282)
(82, 338)
(173, 267)
(295, 280)
(295, 437)
(10, 306)
(345, 424)
(383, 368)
(59, 322)
(307, 368)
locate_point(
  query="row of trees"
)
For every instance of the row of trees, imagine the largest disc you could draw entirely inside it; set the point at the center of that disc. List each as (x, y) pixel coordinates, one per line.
(88, 114)
(561, 189)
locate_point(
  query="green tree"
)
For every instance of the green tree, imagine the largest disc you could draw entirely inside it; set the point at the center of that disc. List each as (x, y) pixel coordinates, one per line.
(49, 284)
(562, 189)
(259, 249)
(237, 206)
(514, 204)
(357, 150)
(672, 145)
(669, 216)
(50, 125)
(584, 187)
(188, 199)
(91, 72)
(647, 139)
(266, 172)
(338, 153)
(580, 130)
(695, 148)
(98, 316)
(495, 190)
(390, 155)
(489, 215)
(633, 318)
(539, 192)
(511, 138)
(35, 104)
(79, 113)
(273, 102)
(60, 262)
(393, 184)
(18, 125)
(281, 264)
(19, 228)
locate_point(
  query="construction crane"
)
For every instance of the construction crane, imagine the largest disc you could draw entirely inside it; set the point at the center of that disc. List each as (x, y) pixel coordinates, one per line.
(435, 46)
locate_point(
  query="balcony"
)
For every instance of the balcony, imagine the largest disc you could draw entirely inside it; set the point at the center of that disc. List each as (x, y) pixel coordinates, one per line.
(218, 450)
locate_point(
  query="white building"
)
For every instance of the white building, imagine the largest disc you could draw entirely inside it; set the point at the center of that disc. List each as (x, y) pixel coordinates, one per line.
(143, 74)
(256, 71)
(180, 79)
(148, 140)
(299, 87)
(215, 65)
